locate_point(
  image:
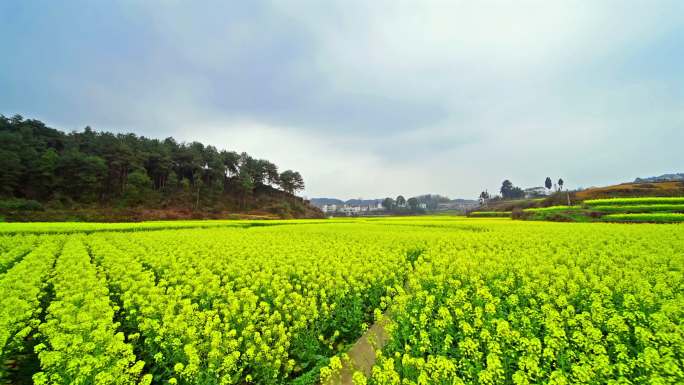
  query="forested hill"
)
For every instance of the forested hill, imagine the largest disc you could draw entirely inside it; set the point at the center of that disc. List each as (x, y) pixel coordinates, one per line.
(47, 173)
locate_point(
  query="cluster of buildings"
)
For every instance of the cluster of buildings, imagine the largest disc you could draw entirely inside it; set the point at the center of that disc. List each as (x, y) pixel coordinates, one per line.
(536, 192)
(376, 208)
(352, 209)
(458, 205)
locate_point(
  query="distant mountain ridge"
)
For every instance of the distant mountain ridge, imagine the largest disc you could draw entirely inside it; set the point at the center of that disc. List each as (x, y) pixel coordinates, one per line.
(662, 178)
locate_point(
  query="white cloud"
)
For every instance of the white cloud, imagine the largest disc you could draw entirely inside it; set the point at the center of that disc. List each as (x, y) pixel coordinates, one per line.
(332, 165)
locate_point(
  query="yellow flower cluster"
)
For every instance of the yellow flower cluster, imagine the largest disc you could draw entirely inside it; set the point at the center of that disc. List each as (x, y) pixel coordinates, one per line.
(219, 305)
(465, 301)
(542, 303)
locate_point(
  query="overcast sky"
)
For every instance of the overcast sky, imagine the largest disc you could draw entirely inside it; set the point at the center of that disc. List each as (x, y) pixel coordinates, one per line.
(369, 98)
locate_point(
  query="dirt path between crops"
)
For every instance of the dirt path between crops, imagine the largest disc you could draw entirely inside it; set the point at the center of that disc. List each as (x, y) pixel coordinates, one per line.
(362, 353)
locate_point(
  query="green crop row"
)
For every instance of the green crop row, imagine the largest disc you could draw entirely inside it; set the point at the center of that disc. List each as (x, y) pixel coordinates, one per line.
(8, 229)
(550, 209)
(82, 344)
(595, 212)
(89, 227)
(490, 214)
(21, 291)
(649, 217)
(635, 201)
(17, 247)
(650, 208)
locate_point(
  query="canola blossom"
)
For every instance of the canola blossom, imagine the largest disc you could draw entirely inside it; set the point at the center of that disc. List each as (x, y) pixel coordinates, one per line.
(573, 304)
(466, 301)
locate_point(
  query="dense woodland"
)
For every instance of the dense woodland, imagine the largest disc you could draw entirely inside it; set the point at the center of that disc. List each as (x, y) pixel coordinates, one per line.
(45, 167)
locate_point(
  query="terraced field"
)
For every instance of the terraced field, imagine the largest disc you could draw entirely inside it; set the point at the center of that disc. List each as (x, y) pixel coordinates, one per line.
(646, 209)
(471, 301)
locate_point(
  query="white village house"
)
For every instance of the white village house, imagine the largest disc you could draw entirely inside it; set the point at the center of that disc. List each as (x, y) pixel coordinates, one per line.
(534, 192)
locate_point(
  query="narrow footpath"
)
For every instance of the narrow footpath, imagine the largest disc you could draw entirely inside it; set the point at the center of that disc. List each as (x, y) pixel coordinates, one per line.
(362, 353)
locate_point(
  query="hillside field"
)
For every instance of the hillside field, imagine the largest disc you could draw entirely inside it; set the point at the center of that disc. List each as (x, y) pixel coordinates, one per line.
(643, 209)
(461, 301)
(634, 189)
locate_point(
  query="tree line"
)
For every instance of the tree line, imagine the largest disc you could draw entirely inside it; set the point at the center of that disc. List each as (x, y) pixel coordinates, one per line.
(509, 191)
(47, 165)
(414, 204)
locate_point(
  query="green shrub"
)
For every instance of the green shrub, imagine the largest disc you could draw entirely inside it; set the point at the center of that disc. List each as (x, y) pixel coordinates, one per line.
(517, 214)
(20, 205)
(559, 214)
(282, 209)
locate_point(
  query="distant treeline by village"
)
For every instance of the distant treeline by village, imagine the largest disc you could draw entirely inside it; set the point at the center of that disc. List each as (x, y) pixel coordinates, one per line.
(421, 204)
(46, 168)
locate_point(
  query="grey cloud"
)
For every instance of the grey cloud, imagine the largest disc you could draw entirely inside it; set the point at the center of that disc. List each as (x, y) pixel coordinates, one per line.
(368, 97)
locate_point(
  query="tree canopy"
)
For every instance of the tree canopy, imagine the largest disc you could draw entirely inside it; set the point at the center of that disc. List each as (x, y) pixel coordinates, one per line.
(44, 164)
(509, 191)
(413, 203)
(388, 203)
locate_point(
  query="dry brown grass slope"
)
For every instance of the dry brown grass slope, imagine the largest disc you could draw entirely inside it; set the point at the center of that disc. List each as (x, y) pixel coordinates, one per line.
(632, 190)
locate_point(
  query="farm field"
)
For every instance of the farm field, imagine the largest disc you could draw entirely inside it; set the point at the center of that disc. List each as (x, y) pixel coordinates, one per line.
(491, 214)
(643, 209)
(464, 301)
